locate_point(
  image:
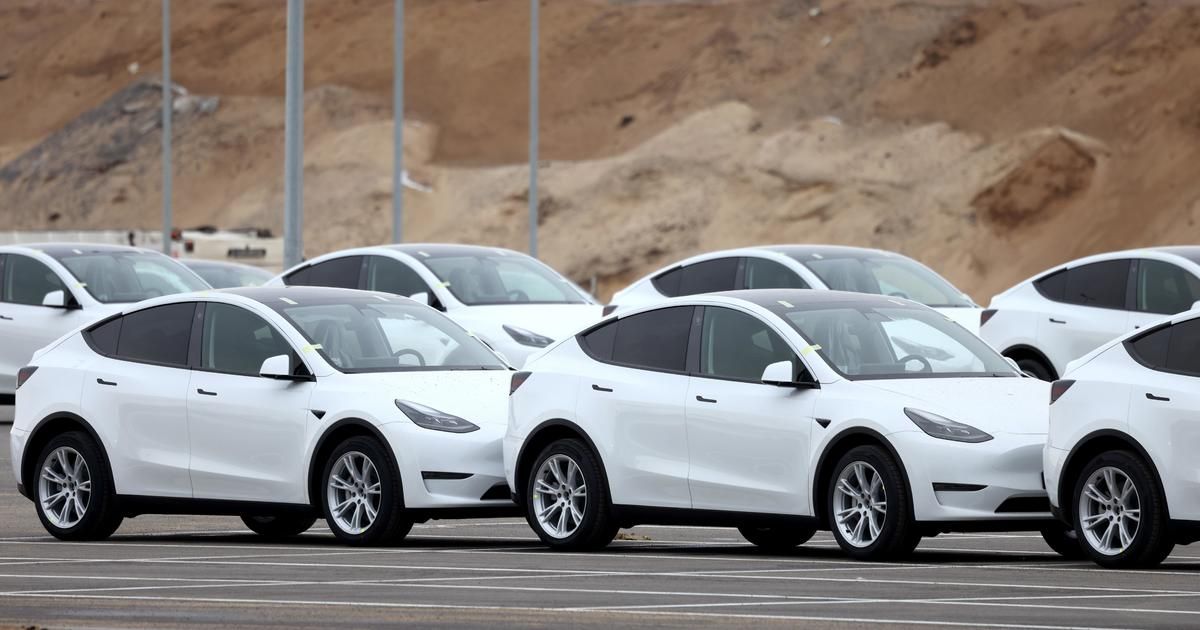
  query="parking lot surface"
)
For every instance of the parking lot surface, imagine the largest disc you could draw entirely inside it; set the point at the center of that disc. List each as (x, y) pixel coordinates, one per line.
(160, 571)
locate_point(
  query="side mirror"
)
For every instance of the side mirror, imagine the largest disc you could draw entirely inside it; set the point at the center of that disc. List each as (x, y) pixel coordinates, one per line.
(422, 297)
(279, 367)
(55, 299)
(782, 374)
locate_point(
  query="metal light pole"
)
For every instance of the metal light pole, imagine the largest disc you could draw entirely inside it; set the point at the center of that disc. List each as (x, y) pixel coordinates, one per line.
(533, 127)
(293, 165)
(398, 124)
(167, 93)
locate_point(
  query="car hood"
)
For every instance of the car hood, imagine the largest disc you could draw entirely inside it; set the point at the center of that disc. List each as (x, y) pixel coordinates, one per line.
(552, 320)
(994, 404)
(486, 404)
(967, 317)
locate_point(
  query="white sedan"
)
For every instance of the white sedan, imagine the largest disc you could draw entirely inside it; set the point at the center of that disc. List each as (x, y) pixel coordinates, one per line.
(278, 405)
(1120, 460)
(515, 303)
(779, 412)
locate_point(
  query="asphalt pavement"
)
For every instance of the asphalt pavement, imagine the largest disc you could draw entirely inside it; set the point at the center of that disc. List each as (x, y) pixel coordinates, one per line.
(180, 571)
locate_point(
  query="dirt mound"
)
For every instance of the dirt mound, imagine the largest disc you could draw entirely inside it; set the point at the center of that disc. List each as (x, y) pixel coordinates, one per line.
(1045, 183)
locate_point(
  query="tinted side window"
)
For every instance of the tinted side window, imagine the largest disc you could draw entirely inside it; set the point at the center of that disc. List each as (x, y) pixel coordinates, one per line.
(1151, 348)
(339, 272)
(1053, 286)
(237, 341)
(668, 283)
(709, 276)
(768, 274)
(656, 340)
(1165, 288)
(392, 276)
(104, 337)
(27, 281)
(1183, 353)
(735, 345)
(1099, 284)
(157, 335)
(599, 342)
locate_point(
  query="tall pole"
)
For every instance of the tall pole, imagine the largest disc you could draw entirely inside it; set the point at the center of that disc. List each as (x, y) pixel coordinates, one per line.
(167, 92)
(293, 164)
(533, 127)
(398, 124)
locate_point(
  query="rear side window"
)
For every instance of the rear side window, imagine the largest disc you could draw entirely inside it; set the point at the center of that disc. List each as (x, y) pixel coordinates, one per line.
(1165, 288)
(157, 335)
(668, 283)
(1101, 284)
(768, 274)
(1053, 286)
(1151, 348)
(392, 276)
(103, 338)
(1171, 348)
(339, 272)
(655, 340)
(599, 342)
(709, 276)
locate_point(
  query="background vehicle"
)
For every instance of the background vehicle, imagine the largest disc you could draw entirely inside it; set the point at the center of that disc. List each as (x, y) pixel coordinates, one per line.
(1061, 314)
(47, 290)
(227, 275)
(515, 303)
(1120, 459)
(278, 405)
(839, 268)
(779, 412)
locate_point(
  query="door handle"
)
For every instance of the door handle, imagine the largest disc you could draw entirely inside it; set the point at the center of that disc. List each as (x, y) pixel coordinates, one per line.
(1057, 321)
(205, 392)
(601, 389)
(707, 400)
(1158, 398)
(6, 318)
(104, 382)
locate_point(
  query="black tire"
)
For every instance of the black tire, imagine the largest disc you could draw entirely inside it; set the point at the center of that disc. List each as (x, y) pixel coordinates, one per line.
(777, 539)
(1152, 541)
(898, 535)
(391, 524)
(1036, 368)
(1063, 541)
(597, 527)
(101, 514)
(279, 527)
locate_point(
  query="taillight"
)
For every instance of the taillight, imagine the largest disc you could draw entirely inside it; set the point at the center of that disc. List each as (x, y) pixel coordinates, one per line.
(608, 310)
(24, 373)
(985, 315)
(1058, 388)
(518, 379)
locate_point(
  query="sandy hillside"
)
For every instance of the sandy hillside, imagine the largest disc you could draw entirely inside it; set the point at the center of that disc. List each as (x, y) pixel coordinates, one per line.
(988, 139)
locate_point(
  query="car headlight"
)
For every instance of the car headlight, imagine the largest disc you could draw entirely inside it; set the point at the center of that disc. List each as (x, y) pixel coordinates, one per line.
(945, 428)
(527, 338)
(430, 418)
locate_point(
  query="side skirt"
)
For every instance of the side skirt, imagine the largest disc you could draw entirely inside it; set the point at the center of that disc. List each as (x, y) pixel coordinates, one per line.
(136, 505)
(631, 515)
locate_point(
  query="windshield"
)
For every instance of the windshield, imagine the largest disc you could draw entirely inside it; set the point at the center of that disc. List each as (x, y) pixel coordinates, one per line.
(128, 276)
(886, 275)
(501, 279)
(863, 341)
(379, 335)
(231, 276)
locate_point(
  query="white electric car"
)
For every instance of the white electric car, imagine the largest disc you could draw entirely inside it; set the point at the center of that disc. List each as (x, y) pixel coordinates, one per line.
(1120, 459)
(277, 405)
(779, 412)
(48, 290)
(223, 274)
(834, 267)
(515, 303)
(1061, 314)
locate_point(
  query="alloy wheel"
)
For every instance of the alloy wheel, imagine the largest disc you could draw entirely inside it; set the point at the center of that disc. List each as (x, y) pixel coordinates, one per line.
(65, 487)
(1109, 511)
(560, 496)
(354, 492)
(859, 504)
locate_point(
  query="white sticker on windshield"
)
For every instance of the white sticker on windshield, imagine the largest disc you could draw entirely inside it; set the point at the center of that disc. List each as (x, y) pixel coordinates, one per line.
(423, 254)
(381, 298)
(77, 251)
(786, 304)
(817, 256)
(288, 301)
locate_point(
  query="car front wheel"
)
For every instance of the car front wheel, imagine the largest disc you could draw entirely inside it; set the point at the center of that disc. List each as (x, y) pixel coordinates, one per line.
(362, 498)
(74, 491)
(869, 506)
(566, 499)
(1120, 512)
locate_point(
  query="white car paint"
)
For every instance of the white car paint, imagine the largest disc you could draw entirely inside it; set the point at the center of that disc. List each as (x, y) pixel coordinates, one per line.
(550, 320)
(1118, 398)
(26, 327)
(1023, 323)
(758, 451)
(197, 434)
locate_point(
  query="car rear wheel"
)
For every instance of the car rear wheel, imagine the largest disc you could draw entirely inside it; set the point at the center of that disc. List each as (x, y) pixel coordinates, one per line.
(1063, 541)
(869, 506)
(777, 538)
(362, 501)
(74, 491)
(1035, 368)
(279, 527)
(1120, 512)
(566, 498)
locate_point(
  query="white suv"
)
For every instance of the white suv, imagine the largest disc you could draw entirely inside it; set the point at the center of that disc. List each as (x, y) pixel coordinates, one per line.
(1061, 314)
(1120, 459)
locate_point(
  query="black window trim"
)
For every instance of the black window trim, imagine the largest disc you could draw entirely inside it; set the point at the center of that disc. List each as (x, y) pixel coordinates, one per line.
(117, 357)
(87, 334)
(3, 257)
(654, 280)
(196, 344)
(1129, 349)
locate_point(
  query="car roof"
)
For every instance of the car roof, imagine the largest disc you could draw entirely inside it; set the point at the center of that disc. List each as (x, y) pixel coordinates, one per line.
(825, 251)
(302, 294)
(205, 262)
(420, 250)
(769, 298)
(61, 249)
(1191, 252)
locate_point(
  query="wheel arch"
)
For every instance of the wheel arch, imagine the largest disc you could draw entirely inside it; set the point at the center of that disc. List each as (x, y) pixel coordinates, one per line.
(46, 429)
(1022, 350)
(333, 435)
(1089, 447)
(542, 436)
(840, 445)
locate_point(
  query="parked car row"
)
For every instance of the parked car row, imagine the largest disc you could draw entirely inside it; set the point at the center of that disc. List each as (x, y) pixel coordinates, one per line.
(377, 387)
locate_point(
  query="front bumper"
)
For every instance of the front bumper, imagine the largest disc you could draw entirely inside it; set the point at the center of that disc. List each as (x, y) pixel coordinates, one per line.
(449, 470)
(994, 481)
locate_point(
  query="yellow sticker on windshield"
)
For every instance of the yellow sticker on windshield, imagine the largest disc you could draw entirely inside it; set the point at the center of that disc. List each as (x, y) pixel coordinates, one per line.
(807, 350)
(312, 347)
(288, 301)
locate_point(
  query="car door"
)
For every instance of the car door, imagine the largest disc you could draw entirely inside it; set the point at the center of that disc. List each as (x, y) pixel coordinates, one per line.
(632, 403)
(247, 432)
(1162, 289)
(1086, 307)
(1164, 409)
(136, 387)
(748, 442)
(25, 325)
